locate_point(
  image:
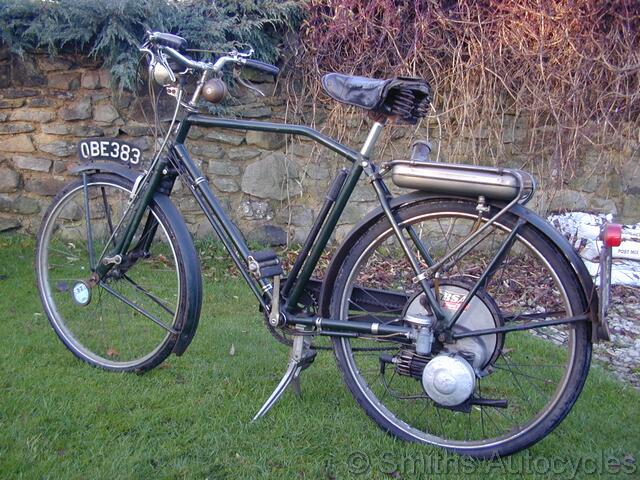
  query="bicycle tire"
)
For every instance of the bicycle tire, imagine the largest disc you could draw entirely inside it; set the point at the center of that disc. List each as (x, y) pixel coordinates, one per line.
(107, 332)
(368, 263)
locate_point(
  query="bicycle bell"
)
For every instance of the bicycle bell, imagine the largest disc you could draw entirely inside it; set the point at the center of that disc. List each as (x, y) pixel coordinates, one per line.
(214, 90)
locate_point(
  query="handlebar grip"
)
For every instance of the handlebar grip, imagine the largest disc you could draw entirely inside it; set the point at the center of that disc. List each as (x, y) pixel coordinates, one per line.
(262, 66)
(168, 40)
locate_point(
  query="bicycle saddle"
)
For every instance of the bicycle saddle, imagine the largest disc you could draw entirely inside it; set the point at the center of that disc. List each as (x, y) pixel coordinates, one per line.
(403, 97)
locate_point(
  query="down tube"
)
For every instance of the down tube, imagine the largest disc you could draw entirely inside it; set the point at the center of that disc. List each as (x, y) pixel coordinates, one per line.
(229, 235)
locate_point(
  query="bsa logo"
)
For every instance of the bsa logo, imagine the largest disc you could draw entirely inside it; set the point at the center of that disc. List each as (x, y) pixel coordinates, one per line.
(451, 300)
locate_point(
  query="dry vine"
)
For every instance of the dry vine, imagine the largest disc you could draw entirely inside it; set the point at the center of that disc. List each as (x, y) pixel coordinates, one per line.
(566, 72)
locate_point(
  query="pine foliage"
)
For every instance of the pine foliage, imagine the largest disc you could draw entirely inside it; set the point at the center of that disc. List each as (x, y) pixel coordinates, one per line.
(111, 30)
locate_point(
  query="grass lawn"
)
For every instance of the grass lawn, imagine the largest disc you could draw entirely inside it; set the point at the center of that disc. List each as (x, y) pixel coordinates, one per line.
(190, 418)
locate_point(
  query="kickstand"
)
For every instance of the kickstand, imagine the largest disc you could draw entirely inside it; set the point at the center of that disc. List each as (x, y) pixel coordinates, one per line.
(301, 357)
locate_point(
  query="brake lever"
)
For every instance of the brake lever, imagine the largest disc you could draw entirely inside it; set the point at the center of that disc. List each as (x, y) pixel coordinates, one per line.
(247, 84)
(237, 54)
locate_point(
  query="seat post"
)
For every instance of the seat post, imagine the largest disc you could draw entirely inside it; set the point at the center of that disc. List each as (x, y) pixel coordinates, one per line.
(372, 138)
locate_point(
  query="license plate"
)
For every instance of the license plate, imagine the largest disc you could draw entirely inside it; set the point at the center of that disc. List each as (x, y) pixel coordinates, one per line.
(109, 149)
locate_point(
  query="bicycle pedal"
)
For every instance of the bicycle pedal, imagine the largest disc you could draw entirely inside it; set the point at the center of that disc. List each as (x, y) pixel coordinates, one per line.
(264, 264)
(306, 358)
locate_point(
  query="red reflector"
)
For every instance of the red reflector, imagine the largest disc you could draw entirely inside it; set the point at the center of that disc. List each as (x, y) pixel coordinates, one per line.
(612, 234)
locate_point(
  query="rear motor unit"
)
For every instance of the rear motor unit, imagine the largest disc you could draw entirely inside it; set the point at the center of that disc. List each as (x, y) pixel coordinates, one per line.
(449, 377)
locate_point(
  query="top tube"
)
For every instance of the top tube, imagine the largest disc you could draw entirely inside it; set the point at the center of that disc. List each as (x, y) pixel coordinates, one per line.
(283, 128)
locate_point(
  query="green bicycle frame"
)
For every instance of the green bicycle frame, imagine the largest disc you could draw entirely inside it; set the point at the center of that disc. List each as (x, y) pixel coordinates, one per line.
(179, 162)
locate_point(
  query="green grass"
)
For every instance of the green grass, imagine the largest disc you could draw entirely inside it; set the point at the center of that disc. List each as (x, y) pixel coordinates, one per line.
(190, 418)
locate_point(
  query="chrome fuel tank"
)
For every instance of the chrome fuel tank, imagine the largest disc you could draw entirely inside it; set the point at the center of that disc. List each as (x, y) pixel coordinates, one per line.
(463, 180)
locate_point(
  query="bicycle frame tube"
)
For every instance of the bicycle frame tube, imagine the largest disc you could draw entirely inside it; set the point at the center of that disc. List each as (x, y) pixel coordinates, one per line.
(239, 251)
(141, 204)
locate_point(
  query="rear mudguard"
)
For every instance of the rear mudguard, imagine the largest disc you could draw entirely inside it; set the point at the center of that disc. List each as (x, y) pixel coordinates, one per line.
(598, 331)
(192, 263)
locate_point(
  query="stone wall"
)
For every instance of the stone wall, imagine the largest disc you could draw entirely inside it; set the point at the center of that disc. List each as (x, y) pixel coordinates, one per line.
(271, 185)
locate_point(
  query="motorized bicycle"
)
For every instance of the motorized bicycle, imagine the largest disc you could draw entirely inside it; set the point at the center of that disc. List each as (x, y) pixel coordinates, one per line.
(458, 317)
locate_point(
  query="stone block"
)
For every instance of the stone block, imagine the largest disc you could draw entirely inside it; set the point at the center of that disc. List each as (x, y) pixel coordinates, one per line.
(316, 171)
(228, 138)
(354, 212)
(135, 129)
(21, 204)
(13, 93)
(143, 143)
(564, 200)
(206, 150)
(631, 209)
(9, 224)
(256, 210)
(18, 143)
(11, 102)
(226, 185)
(363, 193)
(630, 177)
(223, 168)
(297, 215)
(99, 96)
(90, 79)
(3, 117)
(74, 130)
(41, 102)
(58, 148)
(13, 128)
(105, 113)
(270, 235)
(5, 74)
(9, 180)
(105, 78)
(32, 163)
(25, 72)
(602, 205)
(257, 111)
(123, 100)
(60, 167)
(51, 64)
(32, 115)
(78, 110)
(240, 154)
(273, 177)
(265, 140)
(64, 80)
(47, 186)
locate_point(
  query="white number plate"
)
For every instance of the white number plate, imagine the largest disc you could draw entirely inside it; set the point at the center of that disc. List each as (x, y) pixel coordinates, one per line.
(109, 149)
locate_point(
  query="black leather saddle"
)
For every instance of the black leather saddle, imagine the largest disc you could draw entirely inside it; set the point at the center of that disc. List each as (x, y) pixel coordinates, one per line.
(402, 97)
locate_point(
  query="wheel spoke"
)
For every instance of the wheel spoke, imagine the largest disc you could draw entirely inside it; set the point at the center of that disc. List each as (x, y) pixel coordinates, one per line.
(513, 281)
(138, 309)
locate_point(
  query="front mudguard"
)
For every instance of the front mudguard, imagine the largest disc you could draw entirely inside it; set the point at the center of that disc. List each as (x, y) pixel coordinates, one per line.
(192, 264)
(599, 329)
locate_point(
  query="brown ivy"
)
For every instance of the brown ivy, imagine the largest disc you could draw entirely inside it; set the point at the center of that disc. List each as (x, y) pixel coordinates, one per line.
(569, 69)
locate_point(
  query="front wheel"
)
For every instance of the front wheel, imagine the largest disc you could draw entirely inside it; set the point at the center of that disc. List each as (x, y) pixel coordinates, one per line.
(130, 320)
(526, 381)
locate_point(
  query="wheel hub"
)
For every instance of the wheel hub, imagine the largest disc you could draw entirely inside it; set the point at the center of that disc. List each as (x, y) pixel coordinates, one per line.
(481, 313)
(81, 294)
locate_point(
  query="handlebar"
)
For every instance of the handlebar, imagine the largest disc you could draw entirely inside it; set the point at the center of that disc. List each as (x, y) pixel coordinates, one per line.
(187, 62)
(171, 44)
(262, 66)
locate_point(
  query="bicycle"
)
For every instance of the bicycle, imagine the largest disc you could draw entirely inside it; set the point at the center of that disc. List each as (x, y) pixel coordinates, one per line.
(458, 317)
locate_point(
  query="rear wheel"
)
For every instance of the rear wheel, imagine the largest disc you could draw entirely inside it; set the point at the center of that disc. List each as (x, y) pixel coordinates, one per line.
(528, 380)
(130, 320)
